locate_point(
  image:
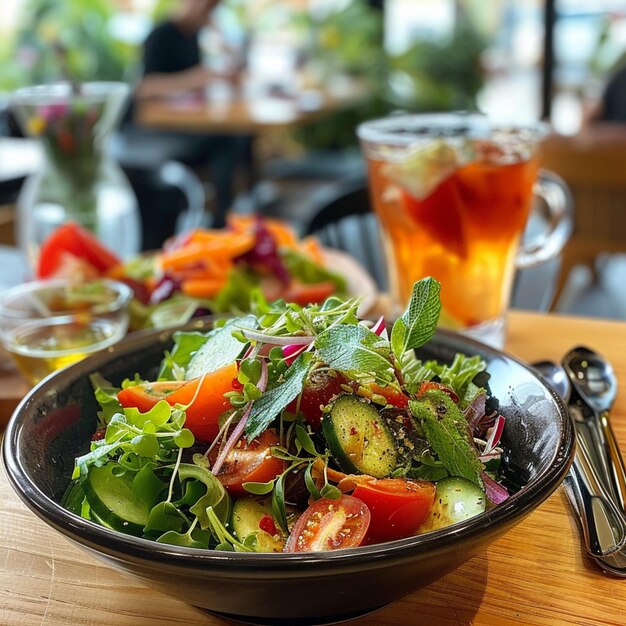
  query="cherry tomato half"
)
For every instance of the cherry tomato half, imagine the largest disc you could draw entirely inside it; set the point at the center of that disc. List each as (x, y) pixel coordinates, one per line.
(427, 385)
(330, 525)
(319, 389)
(391, 394)
(251, 463)
(203, 397)
(308, 293)
(74, 240)
(398, 506)
(146, 395)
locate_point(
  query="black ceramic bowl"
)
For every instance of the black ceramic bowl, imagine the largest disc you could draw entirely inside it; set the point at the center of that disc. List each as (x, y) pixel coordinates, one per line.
(54, 424)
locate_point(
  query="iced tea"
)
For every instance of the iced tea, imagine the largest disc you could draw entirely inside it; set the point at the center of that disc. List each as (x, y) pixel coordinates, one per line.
(454, 207)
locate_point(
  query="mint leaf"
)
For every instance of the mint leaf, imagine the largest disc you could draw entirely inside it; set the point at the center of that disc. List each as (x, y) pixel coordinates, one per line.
(353, 348)
(448, 434)
(272, 402)
(220, 349)
(418, 323)
(414, 372)
(196, 353)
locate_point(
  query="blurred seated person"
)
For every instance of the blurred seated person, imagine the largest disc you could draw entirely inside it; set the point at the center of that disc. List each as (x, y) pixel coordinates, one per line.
(172, 65)
(611, 107)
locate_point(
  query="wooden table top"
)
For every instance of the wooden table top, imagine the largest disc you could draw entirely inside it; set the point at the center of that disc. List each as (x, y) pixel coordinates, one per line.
(537, 574)
(249, 115)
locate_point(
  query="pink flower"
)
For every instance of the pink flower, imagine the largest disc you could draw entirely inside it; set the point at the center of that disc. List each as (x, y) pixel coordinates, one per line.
(51, 112)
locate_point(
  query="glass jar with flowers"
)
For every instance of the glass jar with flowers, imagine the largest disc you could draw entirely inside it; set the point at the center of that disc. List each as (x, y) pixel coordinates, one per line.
(78, 181)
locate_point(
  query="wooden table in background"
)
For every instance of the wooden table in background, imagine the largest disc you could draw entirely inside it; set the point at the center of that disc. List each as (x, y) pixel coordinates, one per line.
(537, 574)
(238, 114)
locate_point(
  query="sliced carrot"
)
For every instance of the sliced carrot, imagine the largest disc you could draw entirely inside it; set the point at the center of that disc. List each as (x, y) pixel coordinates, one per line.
(222, 265)
(208, 268)
(116, 272)
(204, 272)
(191, 254)
(239, 243)
(282, 233)
(202, 287)
(241, 223)
(204, 258)
(231, 245)
(151, 282)
(205, 236)
(311, 247)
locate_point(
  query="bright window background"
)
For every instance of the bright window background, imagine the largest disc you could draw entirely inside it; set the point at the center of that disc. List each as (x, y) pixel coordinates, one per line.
(589, 39)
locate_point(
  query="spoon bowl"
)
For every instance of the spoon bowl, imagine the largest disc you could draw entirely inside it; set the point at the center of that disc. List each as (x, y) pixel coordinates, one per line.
(593, 378)
(556, 376)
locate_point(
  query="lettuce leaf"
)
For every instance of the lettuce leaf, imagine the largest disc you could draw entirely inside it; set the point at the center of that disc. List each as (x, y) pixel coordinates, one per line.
(307, 271)
(459, 376)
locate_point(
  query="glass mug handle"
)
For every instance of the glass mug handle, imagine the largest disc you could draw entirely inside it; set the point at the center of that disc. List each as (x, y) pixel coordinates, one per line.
(560, 215)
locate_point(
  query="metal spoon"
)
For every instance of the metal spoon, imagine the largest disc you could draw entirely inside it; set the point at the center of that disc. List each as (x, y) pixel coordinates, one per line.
(593, 378)
(602, 524)
(557, 377)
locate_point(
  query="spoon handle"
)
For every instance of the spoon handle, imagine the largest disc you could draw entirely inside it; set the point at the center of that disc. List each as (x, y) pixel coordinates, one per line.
(603, 526)
(616, 462)
(590, 438)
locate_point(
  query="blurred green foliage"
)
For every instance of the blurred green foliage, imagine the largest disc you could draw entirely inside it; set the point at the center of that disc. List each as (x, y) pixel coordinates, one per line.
(608, 54)
(429, 76)
(343, 42)
(81, 28)
(439, 75)
(347, 40)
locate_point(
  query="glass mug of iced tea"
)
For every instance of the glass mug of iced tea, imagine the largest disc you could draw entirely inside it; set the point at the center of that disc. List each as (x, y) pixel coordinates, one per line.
(453, 194)
(48, 324)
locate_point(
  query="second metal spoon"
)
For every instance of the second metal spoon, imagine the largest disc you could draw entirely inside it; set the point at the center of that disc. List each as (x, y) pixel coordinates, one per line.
(593, 379)
(602, 524)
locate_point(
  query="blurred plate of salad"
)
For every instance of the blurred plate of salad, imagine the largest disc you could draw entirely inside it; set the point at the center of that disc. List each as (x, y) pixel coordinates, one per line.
(211, 271)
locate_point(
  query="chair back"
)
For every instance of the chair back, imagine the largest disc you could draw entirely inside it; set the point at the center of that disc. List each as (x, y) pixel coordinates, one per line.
(342, 218)
(171, 200)
(593, 164)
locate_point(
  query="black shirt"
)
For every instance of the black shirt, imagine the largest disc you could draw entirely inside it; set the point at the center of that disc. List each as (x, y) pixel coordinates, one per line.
(614, 99)
(167, 49)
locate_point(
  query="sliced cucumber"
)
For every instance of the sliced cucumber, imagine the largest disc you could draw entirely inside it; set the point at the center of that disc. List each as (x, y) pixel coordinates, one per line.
(358, 437)
(113, 500)
(457, 499)
(74, 496)
(245, 519)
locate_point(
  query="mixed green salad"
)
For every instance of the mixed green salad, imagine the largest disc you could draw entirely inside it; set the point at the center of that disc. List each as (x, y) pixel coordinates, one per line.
(295, 428)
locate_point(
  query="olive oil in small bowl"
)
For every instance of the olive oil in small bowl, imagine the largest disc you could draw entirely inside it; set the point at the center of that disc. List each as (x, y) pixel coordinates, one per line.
(47, 325)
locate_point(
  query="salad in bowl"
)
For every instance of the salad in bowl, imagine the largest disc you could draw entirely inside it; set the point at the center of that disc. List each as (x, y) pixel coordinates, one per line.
(202, 271)
(295, 429)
